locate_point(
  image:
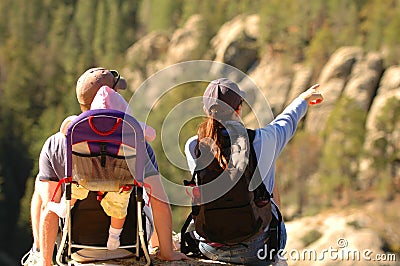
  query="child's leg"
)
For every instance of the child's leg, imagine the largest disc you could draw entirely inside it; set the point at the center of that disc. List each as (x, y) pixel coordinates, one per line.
(115, 205)
(114, 233)
(117, 223)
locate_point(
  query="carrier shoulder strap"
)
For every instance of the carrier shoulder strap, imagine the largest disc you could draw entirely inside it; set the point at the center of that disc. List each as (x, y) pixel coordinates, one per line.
(184, 242)
(261, 194)
(252, 135)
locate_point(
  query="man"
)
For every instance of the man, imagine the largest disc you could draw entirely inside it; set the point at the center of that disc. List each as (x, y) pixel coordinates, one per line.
(51, 169)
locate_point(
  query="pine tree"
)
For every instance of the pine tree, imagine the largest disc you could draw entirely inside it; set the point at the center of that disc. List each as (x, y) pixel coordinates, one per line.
(85, 22)
(343, 138)
(113, 43)
(391, 37)
(102, 20)
(386, 152)
(374, 16)
(159, 14)
(20, 104)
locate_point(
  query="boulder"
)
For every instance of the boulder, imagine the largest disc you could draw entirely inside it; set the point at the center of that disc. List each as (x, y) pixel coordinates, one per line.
(189, 42)
(390, 80)
(333, 238)
(340, 64)
(333, 79)
(301, 82)
(364, 80)
(142, 57)
(274, 82)
(149, 48)
(387, 91)
(158, 50)
(236, 42)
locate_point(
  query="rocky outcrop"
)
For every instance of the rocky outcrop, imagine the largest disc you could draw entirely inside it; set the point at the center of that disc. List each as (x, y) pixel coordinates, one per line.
(349, 72)
(236, 42)
(142, 57)
(189, 42)
(346, 237)
(387, 94)
(158, 50)
(273, 81)
(364, 80)
(390, 81)
(301, 81)
(332, 80)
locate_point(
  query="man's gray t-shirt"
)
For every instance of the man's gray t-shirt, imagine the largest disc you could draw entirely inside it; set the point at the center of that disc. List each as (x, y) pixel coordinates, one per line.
(52, 160)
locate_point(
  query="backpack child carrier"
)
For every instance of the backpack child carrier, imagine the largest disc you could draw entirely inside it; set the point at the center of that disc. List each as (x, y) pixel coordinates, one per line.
(238, 214)
(105, 150)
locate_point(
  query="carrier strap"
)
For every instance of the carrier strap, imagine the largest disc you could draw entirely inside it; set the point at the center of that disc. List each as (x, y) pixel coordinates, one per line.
(100, 195)
(62, 181)
(184, 244)
(145, 186)
(191, 182)
(274, 232)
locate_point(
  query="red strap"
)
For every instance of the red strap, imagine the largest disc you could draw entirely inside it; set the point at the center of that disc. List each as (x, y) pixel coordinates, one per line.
(100, 195)
(146, 186)
(195, 193)
(149, 188)
(125, 188)
(64, 180)
(105, 133)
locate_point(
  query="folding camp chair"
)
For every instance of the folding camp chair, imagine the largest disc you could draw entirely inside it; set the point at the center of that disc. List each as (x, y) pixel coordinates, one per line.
(105, 150)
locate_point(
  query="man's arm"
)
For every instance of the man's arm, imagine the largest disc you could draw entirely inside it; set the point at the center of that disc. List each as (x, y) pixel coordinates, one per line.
(162, 220)
(36, 204)
(48, 227)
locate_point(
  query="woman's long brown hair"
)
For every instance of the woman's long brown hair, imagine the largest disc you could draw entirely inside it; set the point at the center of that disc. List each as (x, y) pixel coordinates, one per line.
(211, 129)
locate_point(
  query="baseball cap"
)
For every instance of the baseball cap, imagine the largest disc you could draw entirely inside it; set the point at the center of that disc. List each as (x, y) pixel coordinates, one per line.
(223, 93)
(93, 79)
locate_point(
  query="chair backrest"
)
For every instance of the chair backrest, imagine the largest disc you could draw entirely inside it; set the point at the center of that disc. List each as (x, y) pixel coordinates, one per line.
(105, 150)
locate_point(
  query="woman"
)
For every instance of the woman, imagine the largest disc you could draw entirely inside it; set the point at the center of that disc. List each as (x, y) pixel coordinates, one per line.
(222, 101)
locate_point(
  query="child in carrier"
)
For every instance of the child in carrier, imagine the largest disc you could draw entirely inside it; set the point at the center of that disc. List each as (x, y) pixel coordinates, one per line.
(114, 204)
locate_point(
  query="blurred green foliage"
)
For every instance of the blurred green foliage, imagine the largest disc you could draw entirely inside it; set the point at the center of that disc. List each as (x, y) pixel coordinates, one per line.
(344, 139)
(387, 149)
